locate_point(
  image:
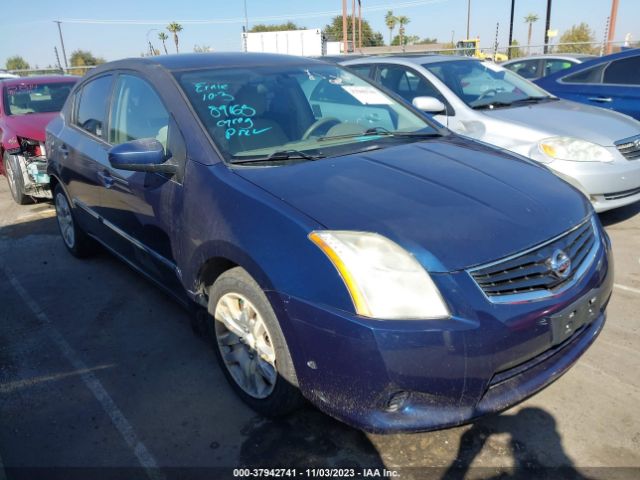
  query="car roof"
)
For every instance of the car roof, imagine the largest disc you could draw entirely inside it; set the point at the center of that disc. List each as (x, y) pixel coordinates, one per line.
(415, 59)
(632, 52)
(559, 56)
(39, 79)
(189, 61)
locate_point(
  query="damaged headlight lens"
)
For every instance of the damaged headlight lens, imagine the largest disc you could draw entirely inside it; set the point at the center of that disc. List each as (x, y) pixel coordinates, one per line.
(384, 280)
(574, 149)
(32, 148)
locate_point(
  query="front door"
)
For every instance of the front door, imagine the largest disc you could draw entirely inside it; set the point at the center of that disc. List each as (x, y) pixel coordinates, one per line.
(139, 209)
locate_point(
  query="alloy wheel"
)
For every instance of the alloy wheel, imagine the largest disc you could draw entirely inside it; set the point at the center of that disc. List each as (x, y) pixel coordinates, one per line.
(65, 220)
(245, 345)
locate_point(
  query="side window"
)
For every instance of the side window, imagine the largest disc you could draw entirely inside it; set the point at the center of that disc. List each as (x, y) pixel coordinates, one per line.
(556, 65)
(526, 68)
(92, 105)
(590, 75)
(137, 112)
(407, 83)
(362, 70)
(625, 71)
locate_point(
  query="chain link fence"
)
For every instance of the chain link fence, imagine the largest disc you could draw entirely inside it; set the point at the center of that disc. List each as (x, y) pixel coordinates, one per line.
(497, 53)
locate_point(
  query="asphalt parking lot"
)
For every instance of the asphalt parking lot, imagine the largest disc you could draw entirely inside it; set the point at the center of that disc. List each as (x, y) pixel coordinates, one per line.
(98, 368)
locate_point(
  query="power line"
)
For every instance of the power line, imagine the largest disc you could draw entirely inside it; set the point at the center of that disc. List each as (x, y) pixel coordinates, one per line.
(373, 8)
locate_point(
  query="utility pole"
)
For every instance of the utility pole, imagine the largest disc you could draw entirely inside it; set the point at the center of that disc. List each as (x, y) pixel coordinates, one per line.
(345, 38)
(468, 17)
(547, 27)
(513, 4)
(64, 53)
(246, 17)
(360, 25)
(353, 25)
(612, 25)
(55, 49)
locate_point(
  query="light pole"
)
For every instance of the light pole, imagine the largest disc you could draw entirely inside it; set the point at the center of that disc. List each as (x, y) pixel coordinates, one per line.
(468, 17)
(513, 4)
(547, 27)
(64, 53)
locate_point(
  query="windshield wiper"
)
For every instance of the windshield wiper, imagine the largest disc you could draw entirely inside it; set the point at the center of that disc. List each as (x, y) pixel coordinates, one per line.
(382, 132)
(276, 156)
(521, 101)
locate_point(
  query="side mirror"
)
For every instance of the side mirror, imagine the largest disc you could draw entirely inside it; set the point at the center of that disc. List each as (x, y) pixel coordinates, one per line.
(144, 155)
(429, 104)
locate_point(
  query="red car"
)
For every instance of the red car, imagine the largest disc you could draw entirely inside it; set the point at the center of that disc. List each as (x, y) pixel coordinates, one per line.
(26, 106)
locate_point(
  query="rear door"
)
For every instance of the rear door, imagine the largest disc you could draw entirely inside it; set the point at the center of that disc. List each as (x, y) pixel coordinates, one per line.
(614, 85)
(83, 147)
(139, 209)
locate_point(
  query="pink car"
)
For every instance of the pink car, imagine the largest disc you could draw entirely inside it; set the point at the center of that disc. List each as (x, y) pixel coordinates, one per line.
(27, 105)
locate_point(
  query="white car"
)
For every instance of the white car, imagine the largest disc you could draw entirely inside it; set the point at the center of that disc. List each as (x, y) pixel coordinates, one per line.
(596, 150)
(5, 74)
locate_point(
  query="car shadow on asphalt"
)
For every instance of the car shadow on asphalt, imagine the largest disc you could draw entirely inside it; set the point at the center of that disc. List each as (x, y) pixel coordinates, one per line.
(534, 443)
(618, 215)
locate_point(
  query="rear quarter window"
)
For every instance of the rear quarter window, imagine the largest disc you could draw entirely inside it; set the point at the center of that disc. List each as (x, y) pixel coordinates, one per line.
(590, 75)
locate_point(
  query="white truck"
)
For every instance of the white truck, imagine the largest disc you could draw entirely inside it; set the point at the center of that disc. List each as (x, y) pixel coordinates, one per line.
(306, 43)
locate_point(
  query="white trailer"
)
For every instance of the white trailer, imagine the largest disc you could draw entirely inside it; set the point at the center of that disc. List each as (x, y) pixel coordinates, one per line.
(307, 43)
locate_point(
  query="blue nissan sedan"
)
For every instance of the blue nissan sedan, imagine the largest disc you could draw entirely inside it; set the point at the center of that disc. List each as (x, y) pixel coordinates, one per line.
(348, 250)
(612, 82)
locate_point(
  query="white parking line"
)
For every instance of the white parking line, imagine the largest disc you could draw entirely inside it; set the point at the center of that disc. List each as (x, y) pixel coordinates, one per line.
(627, 289)
(118, 419)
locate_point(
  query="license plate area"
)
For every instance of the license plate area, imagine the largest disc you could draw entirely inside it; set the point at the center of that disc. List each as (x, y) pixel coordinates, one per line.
(571, 319)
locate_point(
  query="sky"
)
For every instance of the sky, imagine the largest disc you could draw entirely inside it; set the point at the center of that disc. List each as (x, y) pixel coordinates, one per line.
(33, 34)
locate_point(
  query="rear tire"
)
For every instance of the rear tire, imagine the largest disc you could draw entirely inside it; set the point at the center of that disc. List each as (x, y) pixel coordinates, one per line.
(250, 346)
(14, 174)
(78, 243)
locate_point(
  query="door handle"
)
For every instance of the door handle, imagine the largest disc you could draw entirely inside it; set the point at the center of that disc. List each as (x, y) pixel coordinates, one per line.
(600, 99)
(105, 178)
(64, 150)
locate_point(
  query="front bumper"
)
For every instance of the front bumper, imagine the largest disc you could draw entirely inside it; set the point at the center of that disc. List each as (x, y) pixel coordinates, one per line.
(393, 376)
(608, 185)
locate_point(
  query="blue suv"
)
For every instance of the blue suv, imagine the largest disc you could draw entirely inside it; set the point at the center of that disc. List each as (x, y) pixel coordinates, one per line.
(347, 249)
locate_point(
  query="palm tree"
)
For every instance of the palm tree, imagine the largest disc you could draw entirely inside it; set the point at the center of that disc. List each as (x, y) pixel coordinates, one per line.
(163, 36)
(402, 20)
(391, 22)
(175, 27)
(530, 19)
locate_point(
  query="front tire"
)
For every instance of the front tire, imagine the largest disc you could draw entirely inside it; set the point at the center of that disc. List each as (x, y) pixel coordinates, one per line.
(15, 178)
(250, 346)
(75, 239)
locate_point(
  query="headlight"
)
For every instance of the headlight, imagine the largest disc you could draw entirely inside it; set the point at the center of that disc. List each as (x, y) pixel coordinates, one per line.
(574, 149)
(383, 279)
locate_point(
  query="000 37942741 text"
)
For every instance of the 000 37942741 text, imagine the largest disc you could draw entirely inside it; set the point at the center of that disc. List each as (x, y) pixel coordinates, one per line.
(236, 119)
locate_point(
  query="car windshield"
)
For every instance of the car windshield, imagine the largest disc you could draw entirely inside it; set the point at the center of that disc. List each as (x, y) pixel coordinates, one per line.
(485, 84)
(311, 110)
(26, 98)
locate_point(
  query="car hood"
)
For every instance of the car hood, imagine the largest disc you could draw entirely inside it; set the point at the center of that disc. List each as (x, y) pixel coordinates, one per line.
(452, 202)
(31, 125)
(570, 119)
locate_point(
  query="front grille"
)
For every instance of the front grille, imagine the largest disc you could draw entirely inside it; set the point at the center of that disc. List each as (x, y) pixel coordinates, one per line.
(629, 147)
(624, 194)
(530, 274)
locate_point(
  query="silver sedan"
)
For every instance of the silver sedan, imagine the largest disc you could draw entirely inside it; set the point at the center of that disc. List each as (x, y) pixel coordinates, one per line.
(596, 150)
